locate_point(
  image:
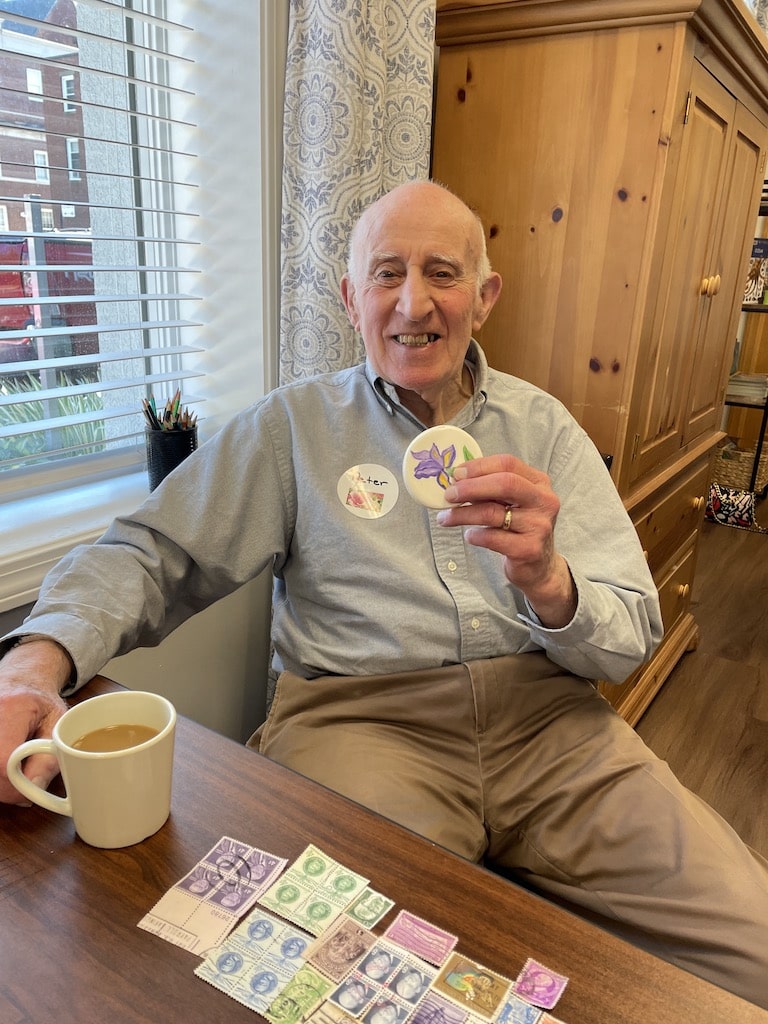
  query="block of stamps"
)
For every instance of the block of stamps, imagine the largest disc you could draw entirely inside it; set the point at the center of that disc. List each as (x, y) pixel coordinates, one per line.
(389, 981)
(426, 940)
(256, 961)
(340, 948)
(204, 906)
(313, 891)
(479, 989)
(300, 997)
(539, 984)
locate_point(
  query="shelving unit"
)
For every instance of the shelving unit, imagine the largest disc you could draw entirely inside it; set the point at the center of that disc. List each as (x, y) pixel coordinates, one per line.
(742, 402)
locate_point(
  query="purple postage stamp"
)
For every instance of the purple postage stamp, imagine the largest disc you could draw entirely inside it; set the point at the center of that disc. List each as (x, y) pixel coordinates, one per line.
(204, 906)
(540, 985)
(435, 1009)
(422, 938)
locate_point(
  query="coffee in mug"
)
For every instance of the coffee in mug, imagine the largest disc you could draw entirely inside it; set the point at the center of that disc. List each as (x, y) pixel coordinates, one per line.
(114, 737)
(119, 795)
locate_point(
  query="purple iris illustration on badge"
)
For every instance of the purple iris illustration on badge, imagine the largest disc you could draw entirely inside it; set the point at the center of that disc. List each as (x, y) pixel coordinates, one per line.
(438, 464)
(431, 459)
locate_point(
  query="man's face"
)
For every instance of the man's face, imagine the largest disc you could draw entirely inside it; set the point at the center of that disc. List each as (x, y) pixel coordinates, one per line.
(416, 298)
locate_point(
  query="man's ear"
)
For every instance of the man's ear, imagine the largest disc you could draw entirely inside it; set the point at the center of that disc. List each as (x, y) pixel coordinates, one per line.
(489, 293)
(348, 298)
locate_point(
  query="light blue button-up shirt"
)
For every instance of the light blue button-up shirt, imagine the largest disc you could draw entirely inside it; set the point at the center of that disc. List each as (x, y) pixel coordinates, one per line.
(309, 480)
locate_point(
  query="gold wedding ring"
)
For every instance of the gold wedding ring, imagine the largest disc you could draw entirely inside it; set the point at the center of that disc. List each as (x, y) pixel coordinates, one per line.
(507, 518)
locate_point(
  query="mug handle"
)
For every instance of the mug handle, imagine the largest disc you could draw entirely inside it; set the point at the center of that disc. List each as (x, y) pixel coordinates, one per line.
(61, 805)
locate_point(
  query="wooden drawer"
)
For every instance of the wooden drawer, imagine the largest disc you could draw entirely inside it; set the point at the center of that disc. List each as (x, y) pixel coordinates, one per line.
(666, 520)
(675, 589)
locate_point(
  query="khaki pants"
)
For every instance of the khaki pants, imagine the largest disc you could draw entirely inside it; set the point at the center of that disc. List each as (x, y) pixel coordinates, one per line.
(517, 763)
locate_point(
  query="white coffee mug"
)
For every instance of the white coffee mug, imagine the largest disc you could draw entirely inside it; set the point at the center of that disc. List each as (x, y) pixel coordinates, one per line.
(115, 798)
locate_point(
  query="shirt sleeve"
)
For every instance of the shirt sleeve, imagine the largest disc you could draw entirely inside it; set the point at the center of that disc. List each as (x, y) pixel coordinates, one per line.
(617, 623)
(211, 526)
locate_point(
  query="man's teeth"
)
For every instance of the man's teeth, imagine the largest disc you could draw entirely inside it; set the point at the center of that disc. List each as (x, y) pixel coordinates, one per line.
(415, 340)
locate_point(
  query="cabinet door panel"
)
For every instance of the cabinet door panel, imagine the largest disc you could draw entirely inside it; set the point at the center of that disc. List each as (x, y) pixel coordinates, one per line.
(673, 326)
(714, 345)
(555, 142)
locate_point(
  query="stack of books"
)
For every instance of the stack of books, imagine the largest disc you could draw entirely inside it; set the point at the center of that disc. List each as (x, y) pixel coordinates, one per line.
(747, 387)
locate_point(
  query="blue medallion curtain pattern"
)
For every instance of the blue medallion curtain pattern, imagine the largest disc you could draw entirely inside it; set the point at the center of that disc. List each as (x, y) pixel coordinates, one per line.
(358, 110)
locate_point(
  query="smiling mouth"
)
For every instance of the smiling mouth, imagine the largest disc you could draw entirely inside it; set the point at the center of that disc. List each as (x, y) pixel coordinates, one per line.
(416, 340)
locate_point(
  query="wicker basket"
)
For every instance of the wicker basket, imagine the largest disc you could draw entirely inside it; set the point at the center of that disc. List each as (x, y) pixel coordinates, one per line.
(733, 468)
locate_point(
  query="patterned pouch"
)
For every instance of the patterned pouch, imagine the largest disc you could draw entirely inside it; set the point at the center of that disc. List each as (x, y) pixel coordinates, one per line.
(732, 507)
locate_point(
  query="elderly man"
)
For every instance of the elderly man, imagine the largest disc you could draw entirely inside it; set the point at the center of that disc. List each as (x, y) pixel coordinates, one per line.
(434, 665)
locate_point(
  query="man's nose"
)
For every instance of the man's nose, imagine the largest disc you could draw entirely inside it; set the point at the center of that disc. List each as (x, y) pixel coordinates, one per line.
(414, 300)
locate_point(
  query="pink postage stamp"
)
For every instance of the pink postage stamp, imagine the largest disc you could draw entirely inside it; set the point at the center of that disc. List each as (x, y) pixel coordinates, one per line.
(422, 938)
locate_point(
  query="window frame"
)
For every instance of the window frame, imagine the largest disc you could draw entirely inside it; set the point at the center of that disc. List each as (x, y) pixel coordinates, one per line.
(67, 94)
(41, 165)
(72, 146)
(52, 509)
(34, 79)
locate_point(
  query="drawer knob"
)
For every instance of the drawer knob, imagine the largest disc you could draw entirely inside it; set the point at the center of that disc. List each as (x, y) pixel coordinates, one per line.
(698, 503)
(683, 590)
(704, 288)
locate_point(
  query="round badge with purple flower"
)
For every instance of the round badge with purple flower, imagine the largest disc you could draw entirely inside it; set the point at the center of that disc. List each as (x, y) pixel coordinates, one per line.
(430, 461)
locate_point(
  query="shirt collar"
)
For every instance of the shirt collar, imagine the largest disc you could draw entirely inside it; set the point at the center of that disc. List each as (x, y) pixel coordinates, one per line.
(478, 366)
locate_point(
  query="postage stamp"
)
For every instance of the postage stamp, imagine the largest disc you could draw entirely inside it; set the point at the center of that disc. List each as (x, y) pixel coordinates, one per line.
(424, 939)
(313, 891)
(202, 907)
(340, 948)
(300, 997)
(481, 990)
(389, 980)
(517, 1011)
(436, 1009)
(540, 985)
(256, 961)
(354, 994)
(327, 1013)
(370, 907)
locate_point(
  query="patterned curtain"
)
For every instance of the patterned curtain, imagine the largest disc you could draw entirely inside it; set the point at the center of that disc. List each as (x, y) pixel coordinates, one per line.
(358, 110)
(760, 9)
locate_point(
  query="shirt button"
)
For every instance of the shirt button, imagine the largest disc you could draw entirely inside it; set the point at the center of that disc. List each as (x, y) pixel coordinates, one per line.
(452, 566)
(475, 623)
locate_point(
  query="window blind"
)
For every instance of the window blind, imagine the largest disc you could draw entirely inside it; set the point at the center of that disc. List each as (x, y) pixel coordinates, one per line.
(97, 296)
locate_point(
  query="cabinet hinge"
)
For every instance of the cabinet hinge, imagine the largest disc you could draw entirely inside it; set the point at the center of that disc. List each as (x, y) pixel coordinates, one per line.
(687, 108)
(635, 446)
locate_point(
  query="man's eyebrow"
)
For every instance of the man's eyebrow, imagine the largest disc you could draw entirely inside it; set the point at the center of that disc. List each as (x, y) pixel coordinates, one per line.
(384, 256)
(449, 261)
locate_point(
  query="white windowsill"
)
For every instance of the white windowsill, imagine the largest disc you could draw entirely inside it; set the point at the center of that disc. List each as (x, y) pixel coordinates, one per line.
(36, 532)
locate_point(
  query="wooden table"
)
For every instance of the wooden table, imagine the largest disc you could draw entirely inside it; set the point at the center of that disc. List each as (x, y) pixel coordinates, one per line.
(70, 951)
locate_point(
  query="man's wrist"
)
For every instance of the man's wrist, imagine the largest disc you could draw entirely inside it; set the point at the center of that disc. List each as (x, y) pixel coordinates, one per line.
(53, 659)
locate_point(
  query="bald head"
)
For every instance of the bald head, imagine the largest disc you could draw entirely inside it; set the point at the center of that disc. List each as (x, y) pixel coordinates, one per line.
(420, 200)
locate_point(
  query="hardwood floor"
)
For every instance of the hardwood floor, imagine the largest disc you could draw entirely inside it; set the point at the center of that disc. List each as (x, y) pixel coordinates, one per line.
(710, 720)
